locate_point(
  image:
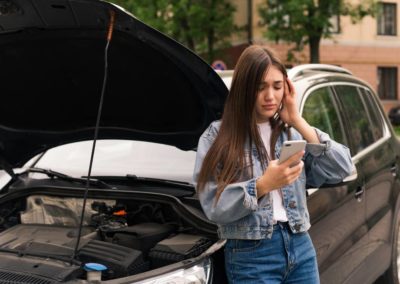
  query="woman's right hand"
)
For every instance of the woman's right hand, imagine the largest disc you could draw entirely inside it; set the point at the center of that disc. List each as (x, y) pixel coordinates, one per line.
(278, 175)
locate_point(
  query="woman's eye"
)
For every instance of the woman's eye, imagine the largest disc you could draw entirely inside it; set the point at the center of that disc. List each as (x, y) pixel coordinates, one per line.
(278, 87)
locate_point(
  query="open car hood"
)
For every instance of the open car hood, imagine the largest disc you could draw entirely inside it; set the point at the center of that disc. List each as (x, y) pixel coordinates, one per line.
(52, 69)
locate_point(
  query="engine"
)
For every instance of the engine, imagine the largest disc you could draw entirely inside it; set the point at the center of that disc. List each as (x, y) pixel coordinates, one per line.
(39, 238)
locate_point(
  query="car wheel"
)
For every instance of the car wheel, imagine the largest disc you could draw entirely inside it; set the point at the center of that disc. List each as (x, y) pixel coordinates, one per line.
(391, 275)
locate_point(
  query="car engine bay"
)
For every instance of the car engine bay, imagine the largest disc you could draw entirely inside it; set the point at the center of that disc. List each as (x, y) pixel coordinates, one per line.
(39, 234)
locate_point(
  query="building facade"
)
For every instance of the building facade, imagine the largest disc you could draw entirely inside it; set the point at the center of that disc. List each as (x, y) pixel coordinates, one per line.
(370, 49)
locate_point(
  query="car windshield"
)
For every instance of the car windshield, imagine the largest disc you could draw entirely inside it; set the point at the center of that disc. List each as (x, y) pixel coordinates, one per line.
(119, 158)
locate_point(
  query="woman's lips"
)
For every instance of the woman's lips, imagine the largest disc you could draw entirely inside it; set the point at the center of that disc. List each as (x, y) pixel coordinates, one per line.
(269, 107)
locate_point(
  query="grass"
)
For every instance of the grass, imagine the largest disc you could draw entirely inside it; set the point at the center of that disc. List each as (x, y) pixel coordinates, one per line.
(397, 130)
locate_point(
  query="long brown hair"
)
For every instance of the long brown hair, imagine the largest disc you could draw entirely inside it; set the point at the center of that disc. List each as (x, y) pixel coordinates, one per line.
(225, 160)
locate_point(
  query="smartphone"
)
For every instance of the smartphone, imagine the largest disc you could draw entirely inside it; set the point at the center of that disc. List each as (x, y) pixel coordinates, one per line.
(289, 148)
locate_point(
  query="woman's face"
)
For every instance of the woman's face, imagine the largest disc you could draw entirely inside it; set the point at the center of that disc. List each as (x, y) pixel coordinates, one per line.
(270, 94)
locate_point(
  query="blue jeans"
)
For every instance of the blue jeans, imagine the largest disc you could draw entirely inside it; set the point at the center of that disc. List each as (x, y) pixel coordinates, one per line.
(285, 258)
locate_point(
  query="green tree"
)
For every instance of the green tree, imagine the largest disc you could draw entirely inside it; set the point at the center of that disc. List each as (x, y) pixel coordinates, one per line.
(308, 21)
(204, 26)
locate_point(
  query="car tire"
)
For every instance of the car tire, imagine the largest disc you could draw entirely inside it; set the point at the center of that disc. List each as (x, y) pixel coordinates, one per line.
(391, 276)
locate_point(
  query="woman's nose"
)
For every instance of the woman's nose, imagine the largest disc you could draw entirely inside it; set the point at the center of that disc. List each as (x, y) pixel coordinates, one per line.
(268, 94)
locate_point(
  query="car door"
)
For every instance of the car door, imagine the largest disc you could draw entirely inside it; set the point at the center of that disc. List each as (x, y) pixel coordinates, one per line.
(378, 164)
(338, 230)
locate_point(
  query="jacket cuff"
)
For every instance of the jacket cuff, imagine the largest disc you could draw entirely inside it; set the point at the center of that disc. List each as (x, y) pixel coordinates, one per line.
(324, 145)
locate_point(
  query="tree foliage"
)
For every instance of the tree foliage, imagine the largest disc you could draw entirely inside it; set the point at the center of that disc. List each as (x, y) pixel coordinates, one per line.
(202, 25)
(308, 21)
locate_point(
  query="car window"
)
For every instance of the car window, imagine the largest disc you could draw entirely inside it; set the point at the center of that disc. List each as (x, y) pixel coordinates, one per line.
(321, 112)
(375, 116)
(357, 115)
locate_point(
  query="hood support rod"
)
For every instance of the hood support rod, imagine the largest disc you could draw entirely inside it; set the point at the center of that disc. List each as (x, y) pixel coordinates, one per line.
(96, 131)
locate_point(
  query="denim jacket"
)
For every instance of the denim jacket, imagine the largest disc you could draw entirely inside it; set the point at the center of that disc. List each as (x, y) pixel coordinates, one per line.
(239, 214)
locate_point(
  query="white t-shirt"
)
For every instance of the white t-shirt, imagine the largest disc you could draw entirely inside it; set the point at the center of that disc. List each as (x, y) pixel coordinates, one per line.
(277, 202)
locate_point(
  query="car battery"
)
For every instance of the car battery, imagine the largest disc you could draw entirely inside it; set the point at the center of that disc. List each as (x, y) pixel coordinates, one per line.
(177, 248)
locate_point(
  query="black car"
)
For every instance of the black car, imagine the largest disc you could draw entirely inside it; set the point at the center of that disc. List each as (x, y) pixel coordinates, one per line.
(66, 80)
(394, 115)
(354, 224)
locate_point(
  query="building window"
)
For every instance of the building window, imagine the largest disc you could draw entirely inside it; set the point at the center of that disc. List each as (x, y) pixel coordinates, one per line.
(387, 83)
(387, 21)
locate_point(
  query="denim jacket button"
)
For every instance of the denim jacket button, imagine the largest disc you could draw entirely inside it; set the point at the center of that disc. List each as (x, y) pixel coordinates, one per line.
(292, 204)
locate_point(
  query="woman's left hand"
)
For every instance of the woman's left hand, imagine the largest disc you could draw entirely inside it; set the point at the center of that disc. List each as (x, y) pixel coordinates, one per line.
(289, 112)
(291, 115)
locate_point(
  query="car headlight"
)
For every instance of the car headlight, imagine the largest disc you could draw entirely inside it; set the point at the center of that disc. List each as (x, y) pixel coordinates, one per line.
(199, 273)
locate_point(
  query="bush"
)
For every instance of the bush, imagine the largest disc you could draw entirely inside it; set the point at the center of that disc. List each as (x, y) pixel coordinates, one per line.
(397, 130)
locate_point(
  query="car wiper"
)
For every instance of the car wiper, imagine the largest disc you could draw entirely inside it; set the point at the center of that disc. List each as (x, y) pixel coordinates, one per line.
(148, 180)
(183, 184)
(61, 176)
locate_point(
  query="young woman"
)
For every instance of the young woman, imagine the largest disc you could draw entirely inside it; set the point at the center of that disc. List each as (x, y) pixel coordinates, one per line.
(259, 205)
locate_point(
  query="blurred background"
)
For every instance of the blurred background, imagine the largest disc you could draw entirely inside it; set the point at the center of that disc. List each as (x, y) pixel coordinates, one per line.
(360, 35)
